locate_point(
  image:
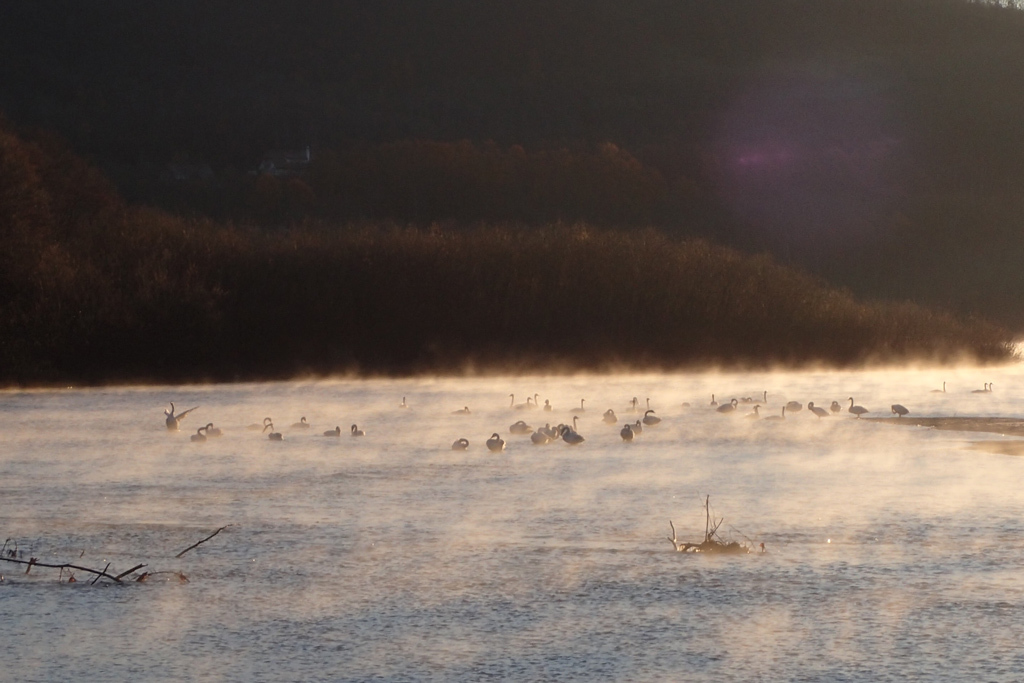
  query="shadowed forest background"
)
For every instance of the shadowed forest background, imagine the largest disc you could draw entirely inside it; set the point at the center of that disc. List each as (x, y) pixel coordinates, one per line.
(577, 183)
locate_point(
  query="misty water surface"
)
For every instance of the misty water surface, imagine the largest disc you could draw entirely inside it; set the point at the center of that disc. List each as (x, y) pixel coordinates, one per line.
(894, 552)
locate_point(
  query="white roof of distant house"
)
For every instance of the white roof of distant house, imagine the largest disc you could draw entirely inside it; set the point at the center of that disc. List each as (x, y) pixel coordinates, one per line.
(285, 162)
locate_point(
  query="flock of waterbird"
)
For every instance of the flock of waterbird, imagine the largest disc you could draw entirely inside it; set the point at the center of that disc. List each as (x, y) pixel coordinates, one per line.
(173, 422)
(569, 433)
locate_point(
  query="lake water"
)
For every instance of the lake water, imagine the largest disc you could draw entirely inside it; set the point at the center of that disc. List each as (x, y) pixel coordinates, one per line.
(894, 553)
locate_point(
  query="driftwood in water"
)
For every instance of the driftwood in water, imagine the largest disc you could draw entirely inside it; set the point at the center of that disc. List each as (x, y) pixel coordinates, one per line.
(12, 556)
(710, 544)
(33, 562)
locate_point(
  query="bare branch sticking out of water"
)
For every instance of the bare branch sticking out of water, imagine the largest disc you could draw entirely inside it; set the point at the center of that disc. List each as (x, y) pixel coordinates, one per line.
(33, 562)
(202, 541)
(103, 573)
(710, 544)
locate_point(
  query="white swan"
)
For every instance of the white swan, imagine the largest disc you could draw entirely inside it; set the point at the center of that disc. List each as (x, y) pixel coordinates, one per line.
(403, 404)
(820, 412)
(547, 405)
(301, 424)
(773, 418)
(650, 419)
(356, 431)
(634, 405)
(986, 390)
(638, 427)
(940, 391)
(460, 445)
(172, 420)
(520, 406)
(857, 410)
(254, 426)
(626, 433)
(199, 436)
(213, 431)
(520, 428)
(898, 410)
(495, 444)
(835, 407)
(727, 407)
(756, 415)
(714, 403)
(273, 436)
(333, 432)
(540, 438)
(609, 417)
(464, 411)
(794, 406)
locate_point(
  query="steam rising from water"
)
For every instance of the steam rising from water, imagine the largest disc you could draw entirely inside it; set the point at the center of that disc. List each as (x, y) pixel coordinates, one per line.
(393, 556)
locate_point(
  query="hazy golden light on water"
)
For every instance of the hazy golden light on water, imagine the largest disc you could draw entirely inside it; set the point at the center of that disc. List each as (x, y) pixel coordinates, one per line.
(359, 546)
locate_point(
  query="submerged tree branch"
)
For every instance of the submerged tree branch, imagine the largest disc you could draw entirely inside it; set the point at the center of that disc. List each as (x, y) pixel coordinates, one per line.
(33, 562)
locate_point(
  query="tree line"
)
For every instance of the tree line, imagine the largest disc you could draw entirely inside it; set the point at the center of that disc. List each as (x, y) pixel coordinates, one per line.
(95, 290)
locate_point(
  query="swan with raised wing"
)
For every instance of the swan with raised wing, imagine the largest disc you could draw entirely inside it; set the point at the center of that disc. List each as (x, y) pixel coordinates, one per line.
(172, 420)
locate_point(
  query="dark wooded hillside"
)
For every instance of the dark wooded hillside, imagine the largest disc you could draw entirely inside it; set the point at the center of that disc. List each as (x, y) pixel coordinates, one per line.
(92, 290)
(877, 143)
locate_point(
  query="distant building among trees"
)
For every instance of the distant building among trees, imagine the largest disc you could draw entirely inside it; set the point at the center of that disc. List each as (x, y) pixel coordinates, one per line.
(285, 163)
